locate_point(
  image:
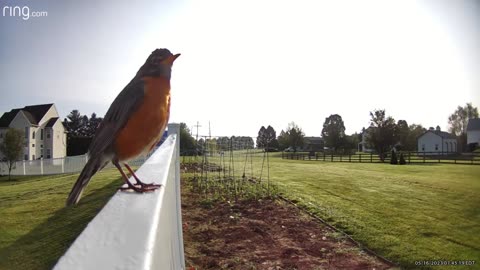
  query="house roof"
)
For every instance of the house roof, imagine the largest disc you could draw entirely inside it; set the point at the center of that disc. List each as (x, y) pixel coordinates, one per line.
(473, 124)
(443, 134)
(7, 117)
(51, 122)
(33, 113)
(314, 139)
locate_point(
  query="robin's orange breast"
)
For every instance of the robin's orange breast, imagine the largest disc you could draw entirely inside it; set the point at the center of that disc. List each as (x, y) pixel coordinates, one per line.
(145, 127)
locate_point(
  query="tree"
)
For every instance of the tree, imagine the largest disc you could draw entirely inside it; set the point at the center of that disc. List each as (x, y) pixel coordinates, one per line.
(414, 131)
(351, 142)
(333, 132)
(75, 124)
(267, 137)
(12, 147)
(282, 140)
(401, 133)
(188, 145)
(80, 131)
(92, 125)
(458, 122)
(294, 136)
(381, 135)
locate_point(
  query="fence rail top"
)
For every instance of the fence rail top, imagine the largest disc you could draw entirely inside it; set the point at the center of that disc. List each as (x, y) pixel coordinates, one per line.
(122, 235)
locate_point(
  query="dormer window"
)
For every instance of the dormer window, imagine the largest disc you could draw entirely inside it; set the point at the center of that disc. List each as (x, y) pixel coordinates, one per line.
(41, 134)
(33, 135)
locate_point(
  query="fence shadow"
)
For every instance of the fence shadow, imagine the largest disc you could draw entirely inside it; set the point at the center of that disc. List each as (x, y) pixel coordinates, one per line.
(46, 243)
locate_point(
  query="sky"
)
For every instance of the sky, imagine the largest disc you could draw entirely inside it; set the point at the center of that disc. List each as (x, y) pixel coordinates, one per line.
(249, 63)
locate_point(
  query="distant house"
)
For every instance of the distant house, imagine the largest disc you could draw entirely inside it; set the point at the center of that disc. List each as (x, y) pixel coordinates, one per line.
(363, 146)
(473, 131)
(435, 141)
(45, 135)
(312, 144)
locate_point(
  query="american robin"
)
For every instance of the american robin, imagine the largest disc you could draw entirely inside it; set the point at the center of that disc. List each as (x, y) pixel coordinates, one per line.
(133, 124)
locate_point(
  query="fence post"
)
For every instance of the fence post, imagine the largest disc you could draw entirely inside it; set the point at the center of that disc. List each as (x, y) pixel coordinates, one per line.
(174, 128)
(24, 171)
(423, 156)
(63, 165)
(41, 165)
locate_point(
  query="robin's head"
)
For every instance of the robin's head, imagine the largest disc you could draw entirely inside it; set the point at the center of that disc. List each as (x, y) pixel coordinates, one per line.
(159, 63)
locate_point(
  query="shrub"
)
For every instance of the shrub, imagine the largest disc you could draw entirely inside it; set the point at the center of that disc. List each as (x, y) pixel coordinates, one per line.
(394, 160)
(402, 160)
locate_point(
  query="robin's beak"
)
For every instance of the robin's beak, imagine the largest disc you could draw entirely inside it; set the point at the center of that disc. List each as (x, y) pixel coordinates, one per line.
(171, 59)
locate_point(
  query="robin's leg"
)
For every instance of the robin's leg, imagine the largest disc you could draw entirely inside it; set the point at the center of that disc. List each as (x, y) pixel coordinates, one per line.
(138, 180)
(130, 185)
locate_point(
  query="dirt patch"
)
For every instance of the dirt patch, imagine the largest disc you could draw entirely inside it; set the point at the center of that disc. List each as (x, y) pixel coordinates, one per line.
(263, 234)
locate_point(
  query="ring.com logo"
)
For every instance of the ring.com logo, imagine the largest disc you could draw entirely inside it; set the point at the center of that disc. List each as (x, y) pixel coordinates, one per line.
(22, 12)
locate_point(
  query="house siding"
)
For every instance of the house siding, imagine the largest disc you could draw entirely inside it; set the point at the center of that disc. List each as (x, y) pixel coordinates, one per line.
(58, 140)
(21, 122)
(433, 143)
(473, 136)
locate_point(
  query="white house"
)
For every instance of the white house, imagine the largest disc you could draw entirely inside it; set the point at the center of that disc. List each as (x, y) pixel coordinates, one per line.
(45, 135)
(435, 141)
(363, 146)
(473, 131)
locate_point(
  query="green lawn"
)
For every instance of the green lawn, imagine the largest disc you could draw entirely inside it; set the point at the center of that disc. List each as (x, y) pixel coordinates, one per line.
(405, 213)
(35, 227)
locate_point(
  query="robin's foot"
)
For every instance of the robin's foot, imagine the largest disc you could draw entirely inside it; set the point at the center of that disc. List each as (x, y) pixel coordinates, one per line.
(148, 185)
(141, 188)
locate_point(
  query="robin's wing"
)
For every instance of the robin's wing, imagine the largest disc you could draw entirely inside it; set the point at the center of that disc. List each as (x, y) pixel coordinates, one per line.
(126, 103)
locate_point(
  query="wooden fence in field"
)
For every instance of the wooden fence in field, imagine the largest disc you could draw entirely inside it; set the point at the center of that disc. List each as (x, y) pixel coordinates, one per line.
(410, 157)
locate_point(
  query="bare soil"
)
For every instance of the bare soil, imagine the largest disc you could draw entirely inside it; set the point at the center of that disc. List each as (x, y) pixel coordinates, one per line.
(263, 234)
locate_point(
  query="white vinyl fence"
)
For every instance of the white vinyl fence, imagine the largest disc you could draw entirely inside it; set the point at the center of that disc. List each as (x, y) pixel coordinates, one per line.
(137, 230)
(72, 164)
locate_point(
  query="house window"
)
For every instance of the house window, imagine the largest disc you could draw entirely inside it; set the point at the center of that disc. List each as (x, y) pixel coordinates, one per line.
(48, 134)
(33, 157)
(41, 153)
(436, 147)
(33, 145)
(41, 145)
(33, 135)
(423, 147)
(48, 153)
(41, 134)
(26, 132)
(26, 157)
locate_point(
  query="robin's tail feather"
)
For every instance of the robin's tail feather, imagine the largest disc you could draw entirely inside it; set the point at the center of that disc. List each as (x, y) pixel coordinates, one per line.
(93, 165)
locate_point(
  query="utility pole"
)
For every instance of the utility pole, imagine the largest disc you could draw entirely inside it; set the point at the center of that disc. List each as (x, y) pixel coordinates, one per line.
(197, 125)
